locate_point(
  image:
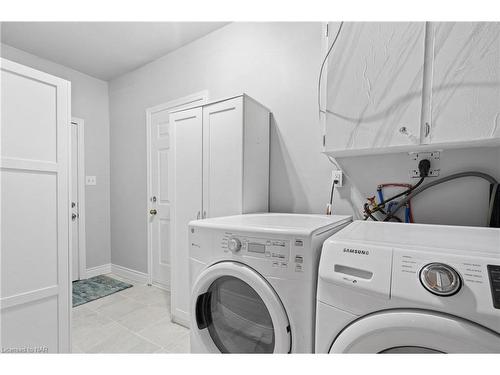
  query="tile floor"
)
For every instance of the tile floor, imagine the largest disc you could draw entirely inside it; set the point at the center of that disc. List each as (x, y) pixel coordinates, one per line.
(135, 320)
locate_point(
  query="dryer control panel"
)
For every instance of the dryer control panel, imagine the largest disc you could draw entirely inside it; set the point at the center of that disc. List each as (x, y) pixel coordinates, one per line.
(277, 250)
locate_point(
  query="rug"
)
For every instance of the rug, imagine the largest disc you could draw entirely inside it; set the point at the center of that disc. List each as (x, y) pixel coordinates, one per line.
(96, 287)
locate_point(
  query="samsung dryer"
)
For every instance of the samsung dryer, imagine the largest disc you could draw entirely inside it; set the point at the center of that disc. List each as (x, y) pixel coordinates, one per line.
(410, 288)
(253, 281)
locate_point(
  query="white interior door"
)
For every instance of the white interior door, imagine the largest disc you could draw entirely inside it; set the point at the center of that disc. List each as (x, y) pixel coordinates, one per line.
(160, 198)
(160, 187)
(35, 273)
(186, 128)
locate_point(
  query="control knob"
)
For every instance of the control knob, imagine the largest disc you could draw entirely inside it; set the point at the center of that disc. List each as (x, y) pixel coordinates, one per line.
(234, 245)
(440, 279)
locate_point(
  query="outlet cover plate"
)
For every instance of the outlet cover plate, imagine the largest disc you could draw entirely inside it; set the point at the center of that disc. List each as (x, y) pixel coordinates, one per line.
(338, 175)
(434, 157)
(90, 180)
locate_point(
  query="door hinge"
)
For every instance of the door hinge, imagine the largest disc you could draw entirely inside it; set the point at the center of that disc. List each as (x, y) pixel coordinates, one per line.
(324, 140)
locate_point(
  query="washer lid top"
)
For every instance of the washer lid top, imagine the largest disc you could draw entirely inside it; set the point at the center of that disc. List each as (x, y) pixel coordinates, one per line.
(275, 222)
(446, 238)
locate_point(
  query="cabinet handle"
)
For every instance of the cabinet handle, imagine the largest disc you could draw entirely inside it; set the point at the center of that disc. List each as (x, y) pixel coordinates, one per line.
(427, 129)
(198, 216)
(204, 214)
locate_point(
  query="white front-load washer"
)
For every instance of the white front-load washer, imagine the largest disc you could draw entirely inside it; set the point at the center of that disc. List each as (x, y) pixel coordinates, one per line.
(253, 281)
(409, 288)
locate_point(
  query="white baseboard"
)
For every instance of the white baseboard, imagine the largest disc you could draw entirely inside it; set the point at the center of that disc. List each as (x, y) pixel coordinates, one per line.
(127, 273)
(96, 271)
(180, 317)
(161, 286)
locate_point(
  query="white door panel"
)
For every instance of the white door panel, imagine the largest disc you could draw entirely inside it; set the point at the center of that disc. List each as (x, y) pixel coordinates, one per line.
(160, 199)
(465, 102)
(223, 158)
(374, 85)
(35, 273)
(32, 128)
(186, 128)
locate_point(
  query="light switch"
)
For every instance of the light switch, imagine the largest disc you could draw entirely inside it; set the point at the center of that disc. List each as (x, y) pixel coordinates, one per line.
(90, 180)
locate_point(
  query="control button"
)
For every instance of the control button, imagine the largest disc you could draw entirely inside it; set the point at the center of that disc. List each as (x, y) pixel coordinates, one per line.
(298, 268)
(275, 264)
(284, 265)
(299, 243)
(440, 279)
(299, 259)
(234, 245)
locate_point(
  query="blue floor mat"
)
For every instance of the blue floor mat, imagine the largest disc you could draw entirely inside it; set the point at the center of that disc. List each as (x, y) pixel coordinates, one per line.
(96, 287)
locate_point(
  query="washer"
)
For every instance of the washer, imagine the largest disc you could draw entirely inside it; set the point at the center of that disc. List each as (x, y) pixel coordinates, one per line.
(409, 288)
(254, 280)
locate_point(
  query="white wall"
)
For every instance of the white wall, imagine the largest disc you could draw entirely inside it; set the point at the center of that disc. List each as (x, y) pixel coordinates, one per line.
(278, 64)
(89, 101)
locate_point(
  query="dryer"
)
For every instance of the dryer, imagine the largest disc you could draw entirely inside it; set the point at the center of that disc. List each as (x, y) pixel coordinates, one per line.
(409, 288)
(253, 281)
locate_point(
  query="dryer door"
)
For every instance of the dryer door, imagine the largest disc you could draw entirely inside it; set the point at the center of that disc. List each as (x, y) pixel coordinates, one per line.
(415, 331)
(235, 310)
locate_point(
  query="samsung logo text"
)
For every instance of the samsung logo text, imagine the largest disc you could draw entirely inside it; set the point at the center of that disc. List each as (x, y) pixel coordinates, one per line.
(356, 251)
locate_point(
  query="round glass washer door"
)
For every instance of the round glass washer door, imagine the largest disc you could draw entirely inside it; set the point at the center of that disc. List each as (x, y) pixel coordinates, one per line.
(235, 310)
(415, 331)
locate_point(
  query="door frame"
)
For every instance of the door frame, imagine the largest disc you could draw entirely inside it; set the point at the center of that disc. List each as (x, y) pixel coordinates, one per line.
(192, 100)
(82, 245)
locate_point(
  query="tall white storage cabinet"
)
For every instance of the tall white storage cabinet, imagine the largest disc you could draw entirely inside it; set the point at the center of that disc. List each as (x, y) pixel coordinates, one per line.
(35, 258)
(220, 161)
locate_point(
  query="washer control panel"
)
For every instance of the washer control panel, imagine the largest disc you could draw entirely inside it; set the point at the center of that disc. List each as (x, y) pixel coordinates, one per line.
(494, 275)
(276, 250)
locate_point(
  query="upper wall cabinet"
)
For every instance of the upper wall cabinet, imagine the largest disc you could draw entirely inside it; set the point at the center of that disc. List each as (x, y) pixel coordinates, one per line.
(465, 98)
(374, 85)
(394, 87)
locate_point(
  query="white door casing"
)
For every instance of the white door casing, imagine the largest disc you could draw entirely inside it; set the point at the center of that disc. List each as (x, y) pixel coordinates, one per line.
(186, 129)
(77, 202)
(159, 215)
(35, 211)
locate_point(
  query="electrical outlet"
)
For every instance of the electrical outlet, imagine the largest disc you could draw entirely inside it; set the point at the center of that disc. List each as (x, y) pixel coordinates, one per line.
(433, 157)
(90, 180)
(337, 175)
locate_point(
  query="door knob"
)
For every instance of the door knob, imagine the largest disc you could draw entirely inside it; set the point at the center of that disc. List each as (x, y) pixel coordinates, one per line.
(153, 211)
(74, 216)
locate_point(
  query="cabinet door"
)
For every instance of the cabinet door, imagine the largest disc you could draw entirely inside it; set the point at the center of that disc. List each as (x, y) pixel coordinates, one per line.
(35, 275)
(186, 165)
(374, 85)
(465, 102)
(223, 158)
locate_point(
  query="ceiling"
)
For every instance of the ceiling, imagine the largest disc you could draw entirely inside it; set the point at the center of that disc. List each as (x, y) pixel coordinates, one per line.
(104, 50)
